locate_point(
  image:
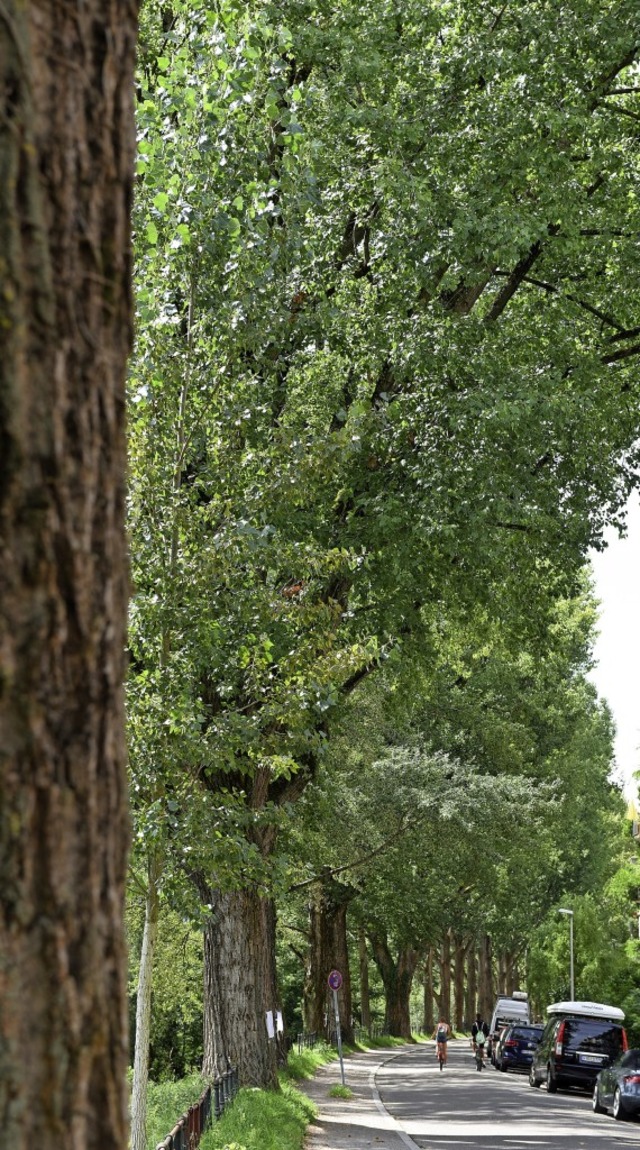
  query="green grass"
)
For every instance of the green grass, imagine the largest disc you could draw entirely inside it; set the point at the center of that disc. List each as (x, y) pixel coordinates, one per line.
(167, 1102)
(260, 1120)
(384, 1042)
(341, 1091)
(304, 1064)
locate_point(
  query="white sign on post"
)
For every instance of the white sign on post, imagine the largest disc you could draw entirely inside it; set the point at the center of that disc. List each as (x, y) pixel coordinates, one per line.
(270, 1027)
(279, 1022)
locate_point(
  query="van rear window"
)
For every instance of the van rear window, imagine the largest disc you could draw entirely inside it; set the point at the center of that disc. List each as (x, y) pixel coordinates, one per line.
(587, 1034)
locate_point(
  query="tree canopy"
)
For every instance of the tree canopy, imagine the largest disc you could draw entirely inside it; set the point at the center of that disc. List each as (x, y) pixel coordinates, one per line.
(384, 394)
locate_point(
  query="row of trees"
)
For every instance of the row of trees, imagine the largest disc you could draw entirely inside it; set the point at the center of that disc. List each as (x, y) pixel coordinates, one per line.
(382, 401)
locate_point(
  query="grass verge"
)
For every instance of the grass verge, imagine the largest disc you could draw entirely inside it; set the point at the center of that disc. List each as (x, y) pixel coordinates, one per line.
(260, 1120)
(304, 1064)
(340, 1091)
(167, 1102)
(384, 1042)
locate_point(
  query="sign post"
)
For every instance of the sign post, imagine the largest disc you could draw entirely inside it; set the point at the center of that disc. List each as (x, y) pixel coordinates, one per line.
(335, 982)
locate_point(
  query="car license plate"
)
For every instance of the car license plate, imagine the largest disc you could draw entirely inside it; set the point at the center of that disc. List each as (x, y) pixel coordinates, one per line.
(594, 1058)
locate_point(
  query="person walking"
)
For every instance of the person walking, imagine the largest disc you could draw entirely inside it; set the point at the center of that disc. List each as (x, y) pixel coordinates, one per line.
(441, 1035)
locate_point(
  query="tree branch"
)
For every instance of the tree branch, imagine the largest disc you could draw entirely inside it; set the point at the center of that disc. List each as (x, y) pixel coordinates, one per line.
(619, 110)
(628, 334)
(624, 353)
(407, 825)
(517, 277)
(350, 684)
(554, 289)
(607, 78)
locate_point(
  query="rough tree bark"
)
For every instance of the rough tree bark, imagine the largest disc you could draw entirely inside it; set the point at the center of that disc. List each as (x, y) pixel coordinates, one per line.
(471, 996)
(444, 993)
(428, 1020)
(365, 1005)
(397, 977)
(240, 987)
(460, 954)
(486, 993)
(513, 978)
(328, 950)
(66, 164)
(143, 1007)
(502, 972)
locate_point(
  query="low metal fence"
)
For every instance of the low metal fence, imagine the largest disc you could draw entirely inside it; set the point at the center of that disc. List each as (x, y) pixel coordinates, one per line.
(376, 1030)
(307, 1039)
(189, 1129)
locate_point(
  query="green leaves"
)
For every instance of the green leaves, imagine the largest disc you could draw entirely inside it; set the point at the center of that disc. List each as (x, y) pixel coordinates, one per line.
(381, 260)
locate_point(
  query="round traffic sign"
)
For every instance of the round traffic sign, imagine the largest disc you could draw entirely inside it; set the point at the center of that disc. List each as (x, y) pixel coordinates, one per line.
(335, 980)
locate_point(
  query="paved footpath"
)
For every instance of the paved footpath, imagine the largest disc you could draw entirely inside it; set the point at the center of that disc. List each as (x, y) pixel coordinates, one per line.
(455, 1110)
(362, 1123)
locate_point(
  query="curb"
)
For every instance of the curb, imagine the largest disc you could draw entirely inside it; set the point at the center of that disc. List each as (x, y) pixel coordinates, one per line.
(336, 1128)
(406, 1138)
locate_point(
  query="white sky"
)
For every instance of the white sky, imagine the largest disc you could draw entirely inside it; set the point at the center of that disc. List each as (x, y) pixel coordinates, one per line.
(617, 651)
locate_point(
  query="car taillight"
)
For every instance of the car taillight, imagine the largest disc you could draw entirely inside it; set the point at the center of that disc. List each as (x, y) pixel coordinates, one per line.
(559, 1038)
(632, 1080)
(625, 1041)
(510, 1042)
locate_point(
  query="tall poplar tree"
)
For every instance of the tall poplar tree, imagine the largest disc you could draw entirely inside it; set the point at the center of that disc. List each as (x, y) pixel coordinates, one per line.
(66, 170)
(385, 306)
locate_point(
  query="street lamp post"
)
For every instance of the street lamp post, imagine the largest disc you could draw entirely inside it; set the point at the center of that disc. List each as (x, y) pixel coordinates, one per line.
(563, 910)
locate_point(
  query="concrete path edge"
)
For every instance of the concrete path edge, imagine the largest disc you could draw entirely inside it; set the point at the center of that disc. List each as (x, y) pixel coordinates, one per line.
(361, 1123)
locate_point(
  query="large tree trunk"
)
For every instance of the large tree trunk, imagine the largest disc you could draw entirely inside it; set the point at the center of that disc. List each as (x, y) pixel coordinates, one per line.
(240, 988)
(397, 977)
(328, 951)
(502, 972)
(444, 993)
(341, 950)
(471, 995)
(428, 1020)
(66, 163)
(365, 1006)
(143, 1009)
(460, 953)
(486, 995)
(512, 977)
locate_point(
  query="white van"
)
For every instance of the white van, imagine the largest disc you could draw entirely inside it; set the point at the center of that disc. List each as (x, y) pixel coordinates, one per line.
(508, 1008)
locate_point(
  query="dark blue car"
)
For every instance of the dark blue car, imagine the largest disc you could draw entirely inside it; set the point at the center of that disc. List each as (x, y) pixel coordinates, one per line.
(517, 1046)
(617, 1086)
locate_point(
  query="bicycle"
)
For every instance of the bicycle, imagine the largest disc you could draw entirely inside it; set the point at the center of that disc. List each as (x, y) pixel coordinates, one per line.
(441, 1050)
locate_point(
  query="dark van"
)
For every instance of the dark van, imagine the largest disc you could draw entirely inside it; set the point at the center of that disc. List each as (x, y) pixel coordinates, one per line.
(579, 1039)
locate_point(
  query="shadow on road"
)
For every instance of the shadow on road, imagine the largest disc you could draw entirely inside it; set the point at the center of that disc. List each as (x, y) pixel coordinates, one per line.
(463, 1107)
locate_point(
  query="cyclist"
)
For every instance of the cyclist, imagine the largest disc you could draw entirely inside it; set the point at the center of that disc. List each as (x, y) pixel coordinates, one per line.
(478, 1025)
(441, 1035)
(480, 1039)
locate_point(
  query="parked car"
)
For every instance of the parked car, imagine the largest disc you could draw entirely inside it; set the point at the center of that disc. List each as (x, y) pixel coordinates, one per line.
(579, 1040)
(508, 1008)
(516, 1047)
(617, 1087)
(495, 1045)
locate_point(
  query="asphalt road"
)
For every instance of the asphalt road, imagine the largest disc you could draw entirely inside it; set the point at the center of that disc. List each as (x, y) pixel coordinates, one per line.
(460, 1108)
